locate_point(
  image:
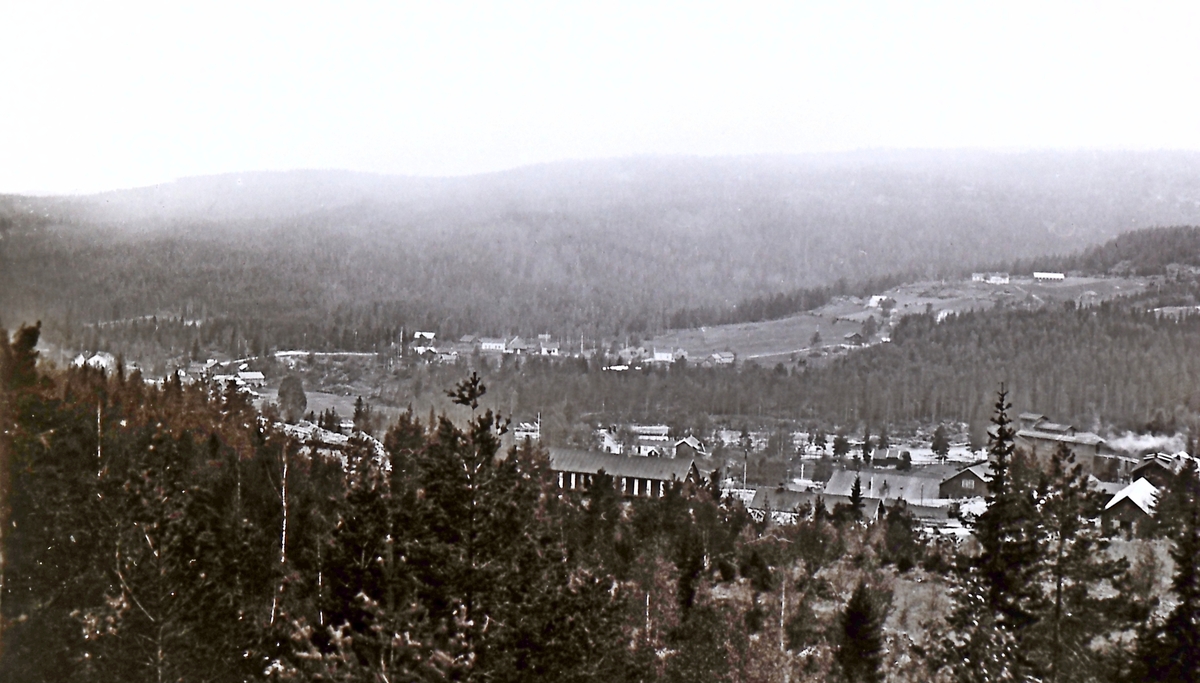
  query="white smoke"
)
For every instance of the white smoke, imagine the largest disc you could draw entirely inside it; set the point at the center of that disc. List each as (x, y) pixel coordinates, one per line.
(1149, 443)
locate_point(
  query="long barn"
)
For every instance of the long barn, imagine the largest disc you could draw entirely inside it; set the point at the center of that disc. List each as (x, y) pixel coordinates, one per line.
(632, 475)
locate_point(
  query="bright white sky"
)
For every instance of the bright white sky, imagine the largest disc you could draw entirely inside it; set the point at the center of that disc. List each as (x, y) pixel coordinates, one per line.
(95, 97)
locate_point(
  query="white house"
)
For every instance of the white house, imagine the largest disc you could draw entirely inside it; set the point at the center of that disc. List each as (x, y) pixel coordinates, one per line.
(252, 378)
(102, 361)
(492, 344)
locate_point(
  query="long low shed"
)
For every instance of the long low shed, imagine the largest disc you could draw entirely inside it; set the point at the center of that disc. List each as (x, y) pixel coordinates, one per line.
(633, 475)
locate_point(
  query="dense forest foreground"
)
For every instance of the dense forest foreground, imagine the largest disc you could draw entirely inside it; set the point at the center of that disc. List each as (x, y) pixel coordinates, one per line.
(173, 534)
(600, 249)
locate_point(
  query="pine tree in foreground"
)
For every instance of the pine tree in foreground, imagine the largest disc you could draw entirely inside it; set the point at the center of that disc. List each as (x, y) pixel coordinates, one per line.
(997, 600)
(1083, 600)
(1170, 652)
(859, 654)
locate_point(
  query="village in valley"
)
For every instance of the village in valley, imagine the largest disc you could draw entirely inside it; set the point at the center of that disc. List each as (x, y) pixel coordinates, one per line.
(939, 474)
(600, 343)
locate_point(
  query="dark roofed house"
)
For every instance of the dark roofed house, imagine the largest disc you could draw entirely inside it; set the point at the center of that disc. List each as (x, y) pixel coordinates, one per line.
(966, 483)
(690, 447)
(1159, 469)
(854, 338)
(633, 476)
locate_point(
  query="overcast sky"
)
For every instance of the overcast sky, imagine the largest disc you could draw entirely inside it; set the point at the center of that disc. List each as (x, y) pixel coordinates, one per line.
(95, 98)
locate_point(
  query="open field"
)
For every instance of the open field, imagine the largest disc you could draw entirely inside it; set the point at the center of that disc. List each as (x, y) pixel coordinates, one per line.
(789, 339)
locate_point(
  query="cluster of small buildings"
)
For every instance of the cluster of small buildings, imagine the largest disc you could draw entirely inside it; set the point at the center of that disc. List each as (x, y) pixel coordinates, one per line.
(426, 345)
(991, 278)
(1004, 278)
(1132, 508)
(644, 459)
(650, 441)
(236, 373)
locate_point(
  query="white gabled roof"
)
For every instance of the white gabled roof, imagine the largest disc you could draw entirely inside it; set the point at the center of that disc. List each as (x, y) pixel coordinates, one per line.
(1141, 493)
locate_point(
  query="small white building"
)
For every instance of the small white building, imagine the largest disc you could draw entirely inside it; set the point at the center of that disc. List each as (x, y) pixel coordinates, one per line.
(1044, 276)
(528, 430)
(102, 361)
(252, 378)
(492, 344)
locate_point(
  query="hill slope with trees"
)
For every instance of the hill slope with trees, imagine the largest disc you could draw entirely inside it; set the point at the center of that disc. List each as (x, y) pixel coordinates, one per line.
(594, 248)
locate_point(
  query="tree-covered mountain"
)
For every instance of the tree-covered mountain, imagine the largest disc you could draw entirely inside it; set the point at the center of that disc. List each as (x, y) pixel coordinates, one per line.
(1151, 251)
(594, 248)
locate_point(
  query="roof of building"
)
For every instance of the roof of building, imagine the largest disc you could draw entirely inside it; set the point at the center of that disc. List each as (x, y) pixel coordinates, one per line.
(592, 462)
(1141, 493)
(1171, 463)
(692, 441)
(1031, 417)
(1054, 427)
(1084, 438)
(982, 471)
(783, 500)
(1111, 488)
(884, 485)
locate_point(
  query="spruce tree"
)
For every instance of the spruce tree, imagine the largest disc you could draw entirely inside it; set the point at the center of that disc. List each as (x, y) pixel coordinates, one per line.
(997, 599)
(940, 443)
(856, 498)
(859, 655)
(1082, 582)
(1170, 651)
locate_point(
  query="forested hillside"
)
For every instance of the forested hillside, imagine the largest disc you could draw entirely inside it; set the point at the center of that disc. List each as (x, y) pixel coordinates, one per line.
(1099, 368)
(1141, 252)
(593, 248)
